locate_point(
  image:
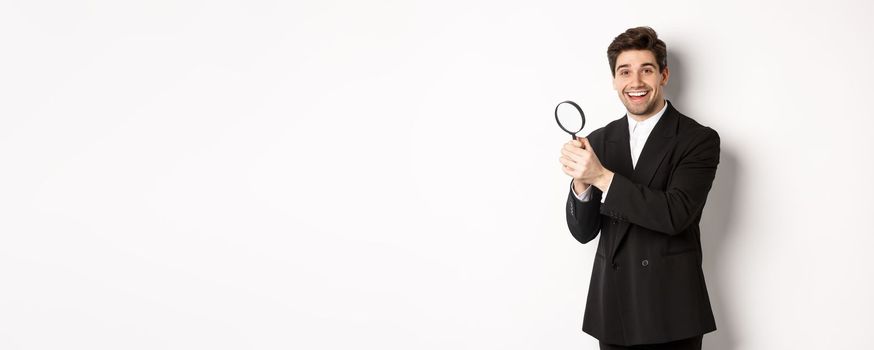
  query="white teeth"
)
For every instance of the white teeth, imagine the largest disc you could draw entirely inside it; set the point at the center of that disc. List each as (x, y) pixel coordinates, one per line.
(637, 93)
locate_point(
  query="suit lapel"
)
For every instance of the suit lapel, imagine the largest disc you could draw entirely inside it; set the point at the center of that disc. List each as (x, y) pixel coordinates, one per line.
(618, 157)
(656, 147)
(660, 141)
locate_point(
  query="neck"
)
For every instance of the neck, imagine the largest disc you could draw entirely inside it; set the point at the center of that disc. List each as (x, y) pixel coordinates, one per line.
(642, 117)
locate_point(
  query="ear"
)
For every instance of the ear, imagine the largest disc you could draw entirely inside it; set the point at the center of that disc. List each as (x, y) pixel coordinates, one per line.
(666, 75)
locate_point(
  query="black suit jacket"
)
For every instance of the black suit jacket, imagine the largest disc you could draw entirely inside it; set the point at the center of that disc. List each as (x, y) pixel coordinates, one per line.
(647, 285)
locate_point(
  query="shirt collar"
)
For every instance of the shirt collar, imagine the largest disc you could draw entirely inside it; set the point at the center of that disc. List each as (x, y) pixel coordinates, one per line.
(649, 123)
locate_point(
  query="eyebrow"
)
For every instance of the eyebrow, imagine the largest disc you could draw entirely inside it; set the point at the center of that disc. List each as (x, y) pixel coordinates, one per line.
(642, 65)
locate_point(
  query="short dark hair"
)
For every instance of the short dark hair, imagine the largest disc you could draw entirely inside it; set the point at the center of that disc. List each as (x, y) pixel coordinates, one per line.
(639, 38)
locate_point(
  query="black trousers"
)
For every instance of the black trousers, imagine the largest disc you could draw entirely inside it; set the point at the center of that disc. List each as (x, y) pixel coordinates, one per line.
(693, 343)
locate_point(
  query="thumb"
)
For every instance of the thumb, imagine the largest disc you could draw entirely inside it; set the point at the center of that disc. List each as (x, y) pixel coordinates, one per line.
(576, 142)
(586, 144)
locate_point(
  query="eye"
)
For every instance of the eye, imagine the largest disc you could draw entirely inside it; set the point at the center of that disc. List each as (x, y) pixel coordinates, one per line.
(648, 70)
(623, 72)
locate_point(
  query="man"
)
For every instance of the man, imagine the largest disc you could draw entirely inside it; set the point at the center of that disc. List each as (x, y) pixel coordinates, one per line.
(642, 181)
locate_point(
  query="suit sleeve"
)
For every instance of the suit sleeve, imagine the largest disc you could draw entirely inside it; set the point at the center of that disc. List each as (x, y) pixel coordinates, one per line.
(584, 218)
(670, 211)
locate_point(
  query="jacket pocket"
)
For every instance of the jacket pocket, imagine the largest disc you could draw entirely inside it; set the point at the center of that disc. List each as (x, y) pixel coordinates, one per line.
(681, 251)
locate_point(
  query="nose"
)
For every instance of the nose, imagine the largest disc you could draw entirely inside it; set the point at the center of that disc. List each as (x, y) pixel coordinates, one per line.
(637, 81)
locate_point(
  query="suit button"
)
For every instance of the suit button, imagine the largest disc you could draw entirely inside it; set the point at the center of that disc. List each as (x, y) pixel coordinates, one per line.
(644, 262)
(615, 222)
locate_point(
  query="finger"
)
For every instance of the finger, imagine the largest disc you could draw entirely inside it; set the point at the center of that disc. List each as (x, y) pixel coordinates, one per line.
(576, 143)
(572, 168)
(582, 141)
(574, 150)
(569, 171)
(578, 154)
(586, 144)
(575, 154)
(575, 169)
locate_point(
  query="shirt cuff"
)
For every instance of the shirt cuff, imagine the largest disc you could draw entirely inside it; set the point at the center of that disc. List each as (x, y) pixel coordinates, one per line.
(604, 192)
(585, 196)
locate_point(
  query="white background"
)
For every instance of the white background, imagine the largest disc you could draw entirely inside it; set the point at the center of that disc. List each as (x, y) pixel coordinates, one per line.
(385, 175)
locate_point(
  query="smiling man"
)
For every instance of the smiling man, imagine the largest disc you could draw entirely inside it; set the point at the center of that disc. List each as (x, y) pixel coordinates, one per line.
(641, 182)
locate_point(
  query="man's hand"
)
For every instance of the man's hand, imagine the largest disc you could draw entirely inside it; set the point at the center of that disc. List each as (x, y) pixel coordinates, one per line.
(580, 162)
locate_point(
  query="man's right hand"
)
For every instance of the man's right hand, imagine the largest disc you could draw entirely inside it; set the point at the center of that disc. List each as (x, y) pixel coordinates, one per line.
(569, 152)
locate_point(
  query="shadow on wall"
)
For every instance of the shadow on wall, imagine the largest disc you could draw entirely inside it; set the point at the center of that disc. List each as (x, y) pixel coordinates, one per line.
(716, 229)
(716, 222)
(675, 86)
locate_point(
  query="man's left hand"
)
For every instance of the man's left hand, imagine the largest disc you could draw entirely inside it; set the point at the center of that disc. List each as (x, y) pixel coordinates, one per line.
(581, 162)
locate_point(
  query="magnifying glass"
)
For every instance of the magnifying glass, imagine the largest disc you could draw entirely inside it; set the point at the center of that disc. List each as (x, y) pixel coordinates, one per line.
(570, 118)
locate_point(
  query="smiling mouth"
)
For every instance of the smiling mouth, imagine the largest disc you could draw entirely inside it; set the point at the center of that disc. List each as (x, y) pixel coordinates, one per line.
(636, 95)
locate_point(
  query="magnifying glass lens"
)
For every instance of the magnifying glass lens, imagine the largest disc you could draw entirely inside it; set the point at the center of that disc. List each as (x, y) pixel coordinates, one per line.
(569, 117)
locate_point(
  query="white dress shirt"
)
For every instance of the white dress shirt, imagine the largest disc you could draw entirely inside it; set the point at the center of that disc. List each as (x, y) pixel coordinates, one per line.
(638, 132)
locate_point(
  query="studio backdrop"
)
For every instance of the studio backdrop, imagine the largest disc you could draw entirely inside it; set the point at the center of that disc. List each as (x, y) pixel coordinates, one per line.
(385, 174)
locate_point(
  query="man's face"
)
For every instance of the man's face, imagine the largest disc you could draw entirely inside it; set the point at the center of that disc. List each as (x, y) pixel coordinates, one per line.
(639, 83)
